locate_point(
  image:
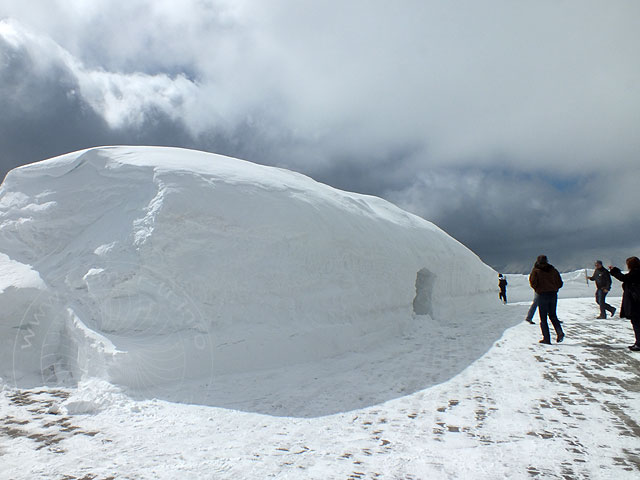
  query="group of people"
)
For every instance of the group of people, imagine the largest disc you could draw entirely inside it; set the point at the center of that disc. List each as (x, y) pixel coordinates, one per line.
(546, 281)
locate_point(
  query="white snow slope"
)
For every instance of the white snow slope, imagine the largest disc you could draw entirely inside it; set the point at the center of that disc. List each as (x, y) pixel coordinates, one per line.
(186, 275)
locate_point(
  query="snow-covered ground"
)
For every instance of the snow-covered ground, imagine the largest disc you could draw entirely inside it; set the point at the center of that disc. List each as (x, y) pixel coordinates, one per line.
(522, 410)
(174, 314)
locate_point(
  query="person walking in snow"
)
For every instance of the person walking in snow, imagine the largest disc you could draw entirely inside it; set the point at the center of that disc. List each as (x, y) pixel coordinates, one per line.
(502, 284)
(546, 281)
(630, 307)
(532, 310)
(603, 286)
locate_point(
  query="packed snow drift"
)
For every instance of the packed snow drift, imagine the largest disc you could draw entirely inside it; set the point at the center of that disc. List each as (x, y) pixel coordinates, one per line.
(148, 266)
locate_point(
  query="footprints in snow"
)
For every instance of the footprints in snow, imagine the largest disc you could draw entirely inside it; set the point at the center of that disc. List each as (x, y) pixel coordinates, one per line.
(39, 419)
(44, 425)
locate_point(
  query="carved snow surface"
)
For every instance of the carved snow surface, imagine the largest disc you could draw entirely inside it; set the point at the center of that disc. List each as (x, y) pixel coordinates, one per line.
(162, 265)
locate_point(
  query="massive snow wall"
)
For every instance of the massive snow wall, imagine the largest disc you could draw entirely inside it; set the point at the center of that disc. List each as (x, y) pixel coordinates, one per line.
(145, 265)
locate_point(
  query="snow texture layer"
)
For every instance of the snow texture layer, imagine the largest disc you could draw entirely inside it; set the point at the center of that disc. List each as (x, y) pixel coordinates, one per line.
(577, 402)
(149, 266)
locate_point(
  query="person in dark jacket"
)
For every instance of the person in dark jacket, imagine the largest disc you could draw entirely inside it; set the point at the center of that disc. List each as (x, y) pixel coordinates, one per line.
(546, 281)
(603, 285)
(630, 307)
(502, 285)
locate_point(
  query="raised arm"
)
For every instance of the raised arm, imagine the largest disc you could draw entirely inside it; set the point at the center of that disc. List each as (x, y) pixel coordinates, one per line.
(615, 272)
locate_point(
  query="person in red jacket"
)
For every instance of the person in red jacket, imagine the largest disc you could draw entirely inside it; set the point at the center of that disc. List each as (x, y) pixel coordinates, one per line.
(546, 281)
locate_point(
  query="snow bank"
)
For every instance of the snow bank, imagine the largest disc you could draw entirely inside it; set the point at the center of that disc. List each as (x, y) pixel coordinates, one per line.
(24, 312)
(153, 265)
(91, 396)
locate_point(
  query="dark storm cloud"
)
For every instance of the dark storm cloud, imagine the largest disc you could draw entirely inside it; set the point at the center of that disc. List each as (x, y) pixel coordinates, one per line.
(40, 115)
(510, 218)
(512, 125)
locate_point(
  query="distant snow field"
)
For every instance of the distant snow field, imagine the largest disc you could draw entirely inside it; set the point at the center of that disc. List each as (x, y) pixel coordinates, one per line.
(193, 299)
(575, 286)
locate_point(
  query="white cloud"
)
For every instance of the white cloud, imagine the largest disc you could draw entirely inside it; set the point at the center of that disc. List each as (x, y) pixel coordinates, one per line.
(122, 99)
(544, 84)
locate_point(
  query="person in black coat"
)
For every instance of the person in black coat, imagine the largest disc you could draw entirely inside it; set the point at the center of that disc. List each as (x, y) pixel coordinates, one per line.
(502, 285)
(603, 285)
(631, 296)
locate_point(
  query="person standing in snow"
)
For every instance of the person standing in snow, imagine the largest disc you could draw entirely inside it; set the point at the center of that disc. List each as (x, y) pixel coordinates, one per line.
(630, 307)
(546, 281)
(502, 284)
(603, 285)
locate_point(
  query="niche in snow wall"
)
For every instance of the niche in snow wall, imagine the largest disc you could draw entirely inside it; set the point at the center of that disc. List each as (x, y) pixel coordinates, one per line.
(149, 265)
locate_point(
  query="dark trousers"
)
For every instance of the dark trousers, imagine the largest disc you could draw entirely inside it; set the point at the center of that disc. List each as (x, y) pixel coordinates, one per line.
(503, 295)
(547, 303)
(635, 322)
(532, 308)
(604, 306)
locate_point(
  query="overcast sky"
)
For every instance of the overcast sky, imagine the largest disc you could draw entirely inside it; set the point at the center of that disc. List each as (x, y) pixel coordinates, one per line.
(512, 125)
